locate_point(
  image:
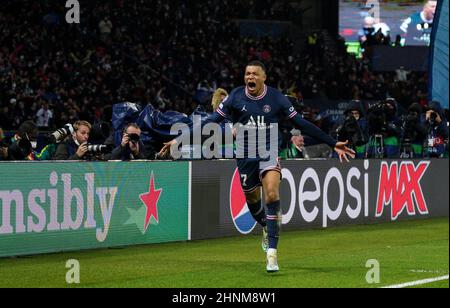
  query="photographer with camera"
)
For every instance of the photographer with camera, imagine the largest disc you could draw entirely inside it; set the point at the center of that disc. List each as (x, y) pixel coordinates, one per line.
(413, 132)
(23, 143)
(52, 141)
(384, 130)
(75, 146)
(131, 147)
(354, 129)
(438, 134)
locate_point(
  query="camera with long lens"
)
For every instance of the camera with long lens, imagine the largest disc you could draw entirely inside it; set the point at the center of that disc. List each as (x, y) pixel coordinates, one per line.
(60, 134)
(377, 118)
(351, 131)
(99, 148)
(381, 125)
(409, 123)
(380, 116)
(410, 133)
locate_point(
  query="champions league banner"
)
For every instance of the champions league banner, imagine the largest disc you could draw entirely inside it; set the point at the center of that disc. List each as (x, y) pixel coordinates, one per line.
(321, 194)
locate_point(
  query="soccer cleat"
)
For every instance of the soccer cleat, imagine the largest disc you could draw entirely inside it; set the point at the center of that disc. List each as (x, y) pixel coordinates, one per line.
(265, 240)
(272, 261)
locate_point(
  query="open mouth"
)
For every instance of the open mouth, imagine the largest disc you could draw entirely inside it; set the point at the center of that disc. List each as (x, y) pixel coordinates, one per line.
(251, 86)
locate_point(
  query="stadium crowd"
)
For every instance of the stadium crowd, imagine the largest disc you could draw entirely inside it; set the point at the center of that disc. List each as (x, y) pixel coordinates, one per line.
(164, 53)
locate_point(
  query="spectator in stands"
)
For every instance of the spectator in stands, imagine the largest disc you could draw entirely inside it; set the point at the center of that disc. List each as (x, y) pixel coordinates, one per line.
(44, 116)
(3, 148)
(157, 52)
(6, 118)
(105, 26)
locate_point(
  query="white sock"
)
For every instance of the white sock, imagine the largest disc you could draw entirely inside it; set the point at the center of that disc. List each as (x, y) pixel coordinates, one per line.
(271, 251)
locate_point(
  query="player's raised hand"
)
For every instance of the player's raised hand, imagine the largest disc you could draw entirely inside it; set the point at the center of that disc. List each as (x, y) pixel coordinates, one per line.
(165, 151)
(343, 151)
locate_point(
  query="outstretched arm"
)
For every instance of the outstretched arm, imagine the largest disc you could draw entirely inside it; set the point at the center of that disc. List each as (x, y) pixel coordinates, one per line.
(223, 111)
(216, 117)
(313, 131)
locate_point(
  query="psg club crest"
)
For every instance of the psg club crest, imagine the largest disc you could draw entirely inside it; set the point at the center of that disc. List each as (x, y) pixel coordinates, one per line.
(267, 109)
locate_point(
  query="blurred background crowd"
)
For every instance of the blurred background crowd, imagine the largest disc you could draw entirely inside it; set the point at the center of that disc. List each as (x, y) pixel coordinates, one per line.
(175, 54)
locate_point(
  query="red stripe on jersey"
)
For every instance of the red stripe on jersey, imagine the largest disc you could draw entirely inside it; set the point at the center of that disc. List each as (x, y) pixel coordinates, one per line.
(268, 217)
(221, 113)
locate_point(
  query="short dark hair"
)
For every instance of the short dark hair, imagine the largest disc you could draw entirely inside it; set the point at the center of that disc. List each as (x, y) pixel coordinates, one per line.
(257, 63)
(125, 128)
(416, 107)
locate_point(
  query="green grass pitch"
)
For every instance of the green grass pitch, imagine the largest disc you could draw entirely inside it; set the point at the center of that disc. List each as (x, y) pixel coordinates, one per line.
(331, 258)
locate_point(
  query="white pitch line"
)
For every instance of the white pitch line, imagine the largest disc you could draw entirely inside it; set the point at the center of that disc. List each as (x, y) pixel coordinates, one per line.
(416, 283)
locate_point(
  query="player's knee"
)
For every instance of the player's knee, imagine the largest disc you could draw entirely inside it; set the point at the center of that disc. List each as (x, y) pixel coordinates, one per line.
(272, 196)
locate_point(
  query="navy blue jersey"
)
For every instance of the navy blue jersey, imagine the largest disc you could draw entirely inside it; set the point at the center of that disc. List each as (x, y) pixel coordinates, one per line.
(269, 107)
(418, 29)
(261, 113)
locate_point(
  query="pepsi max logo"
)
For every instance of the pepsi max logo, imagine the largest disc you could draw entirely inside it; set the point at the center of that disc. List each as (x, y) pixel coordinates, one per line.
(267, 109)
(240, 214)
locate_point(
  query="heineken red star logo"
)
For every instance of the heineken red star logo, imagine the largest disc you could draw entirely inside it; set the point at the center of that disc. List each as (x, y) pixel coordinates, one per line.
(150, 201)
(149, 208)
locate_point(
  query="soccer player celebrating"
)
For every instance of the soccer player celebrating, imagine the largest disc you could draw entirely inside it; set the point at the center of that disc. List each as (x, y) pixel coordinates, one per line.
(418, 27)
(257, 106)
